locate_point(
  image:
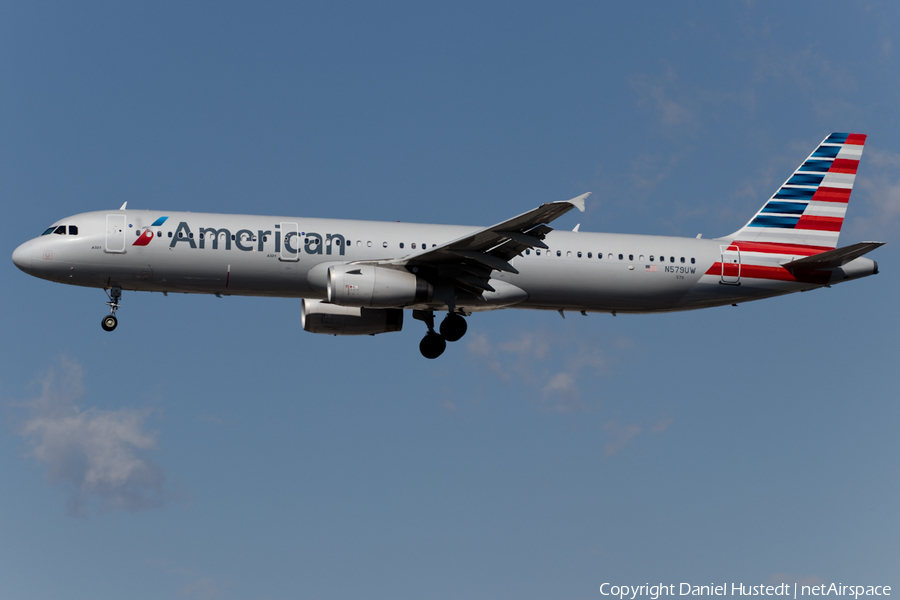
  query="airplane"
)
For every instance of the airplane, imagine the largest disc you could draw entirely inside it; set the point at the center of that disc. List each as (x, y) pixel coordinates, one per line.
(358, 277)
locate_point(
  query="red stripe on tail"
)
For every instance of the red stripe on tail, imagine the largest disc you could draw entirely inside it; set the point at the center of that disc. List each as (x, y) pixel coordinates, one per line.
(819, 223)
(780, 248)
(844, 165)
(829, 194)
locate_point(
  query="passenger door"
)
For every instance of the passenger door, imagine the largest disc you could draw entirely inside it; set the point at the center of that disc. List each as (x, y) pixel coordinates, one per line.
(115, 234)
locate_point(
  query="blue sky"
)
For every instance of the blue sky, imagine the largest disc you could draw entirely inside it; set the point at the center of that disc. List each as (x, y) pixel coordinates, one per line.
(210, 448)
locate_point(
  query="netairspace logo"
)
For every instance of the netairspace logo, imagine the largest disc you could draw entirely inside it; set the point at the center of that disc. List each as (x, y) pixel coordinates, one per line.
(739, 589)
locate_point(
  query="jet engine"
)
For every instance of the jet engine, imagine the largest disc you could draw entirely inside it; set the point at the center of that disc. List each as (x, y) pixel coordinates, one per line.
(317, 317)
(375, 287)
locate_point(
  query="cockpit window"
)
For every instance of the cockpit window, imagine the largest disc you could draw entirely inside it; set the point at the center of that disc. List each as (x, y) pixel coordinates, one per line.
(61, 230)
(73, 230)
(49, 231)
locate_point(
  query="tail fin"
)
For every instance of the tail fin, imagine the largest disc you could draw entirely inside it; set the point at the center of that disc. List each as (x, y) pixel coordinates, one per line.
(808, 210)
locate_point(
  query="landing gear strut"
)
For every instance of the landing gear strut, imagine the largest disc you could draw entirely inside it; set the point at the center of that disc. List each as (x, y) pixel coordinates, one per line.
(433, 344)
(109, 322)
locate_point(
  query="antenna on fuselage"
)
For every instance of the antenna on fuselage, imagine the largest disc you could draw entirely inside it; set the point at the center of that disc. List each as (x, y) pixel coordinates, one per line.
(123, 206)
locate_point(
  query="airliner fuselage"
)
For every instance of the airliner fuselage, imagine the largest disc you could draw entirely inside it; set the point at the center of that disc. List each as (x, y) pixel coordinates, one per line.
(208, 253)
(357, 277)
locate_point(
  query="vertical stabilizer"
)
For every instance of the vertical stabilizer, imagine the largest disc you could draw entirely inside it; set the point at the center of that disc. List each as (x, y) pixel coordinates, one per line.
(805, 215)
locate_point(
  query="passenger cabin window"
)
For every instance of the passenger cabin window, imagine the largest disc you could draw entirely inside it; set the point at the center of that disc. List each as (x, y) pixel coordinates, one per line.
(692, 261)
(73, 230)
(631, 257)
(671, 259)
(401, 244)
(579, 255)
(590, 255)
(559, 252)
(621, 257)
(682, 259)
(651, 258)
(170, 234)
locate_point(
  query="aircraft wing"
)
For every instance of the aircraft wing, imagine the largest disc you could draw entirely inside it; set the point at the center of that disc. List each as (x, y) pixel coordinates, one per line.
(469, 260)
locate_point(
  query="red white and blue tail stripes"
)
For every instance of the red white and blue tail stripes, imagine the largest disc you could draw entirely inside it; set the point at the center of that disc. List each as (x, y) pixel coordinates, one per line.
(803, 218)
(805, 215)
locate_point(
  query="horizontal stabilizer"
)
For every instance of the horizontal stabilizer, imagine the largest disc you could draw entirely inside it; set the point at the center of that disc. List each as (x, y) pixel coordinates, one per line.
(832, 258)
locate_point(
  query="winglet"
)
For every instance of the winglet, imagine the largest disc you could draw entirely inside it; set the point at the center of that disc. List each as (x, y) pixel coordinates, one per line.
(126, 203)
(578, 201)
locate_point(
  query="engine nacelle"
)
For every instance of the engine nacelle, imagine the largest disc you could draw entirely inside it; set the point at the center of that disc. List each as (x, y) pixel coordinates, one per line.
(375, 287)
(330, 319)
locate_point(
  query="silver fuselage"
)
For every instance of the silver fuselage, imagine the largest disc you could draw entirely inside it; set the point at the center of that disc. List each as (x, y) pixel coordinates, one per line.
(208, 253)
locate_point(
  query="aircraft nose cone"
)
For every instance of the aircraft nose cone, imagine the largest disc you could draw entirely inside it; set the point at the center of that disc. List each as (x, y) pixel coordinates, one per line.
(22, 257)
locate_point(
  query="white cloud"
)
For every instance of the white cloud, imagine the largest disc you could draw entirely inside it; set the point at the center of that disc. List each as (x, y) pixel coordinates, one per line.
(658, 93)
(619, 436)
(561, 392)
(548, 363)
(96, 454)
(879, 211)
(661, 426)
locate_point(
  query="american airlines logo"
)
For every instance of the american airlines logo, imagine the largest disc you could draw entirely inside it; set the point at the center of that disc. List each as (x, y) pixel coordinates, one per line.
(146, 237)
(244, 239)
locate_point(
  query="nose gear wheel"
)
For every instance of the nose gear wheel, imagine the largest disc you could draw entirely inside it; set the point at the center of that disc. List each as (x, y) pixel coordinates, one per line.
(110, 321)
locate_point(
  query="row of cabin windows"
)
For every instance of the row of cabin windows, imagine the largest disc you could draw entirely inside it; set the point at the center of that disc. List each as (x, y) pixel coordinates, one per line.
(336, 241)
(61, 230)
(610, 256)
(73, 230)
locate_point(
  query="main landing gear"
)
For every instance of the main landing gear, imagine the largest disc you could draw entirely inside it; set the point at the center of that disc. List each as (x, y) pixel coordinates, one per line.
(109, 322)
(453, 327)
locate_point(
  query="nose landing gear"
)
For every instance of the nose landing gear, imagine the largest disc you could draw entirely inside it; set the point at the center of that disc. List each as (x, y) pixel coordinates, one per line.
(433, 344)
(110, 322)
